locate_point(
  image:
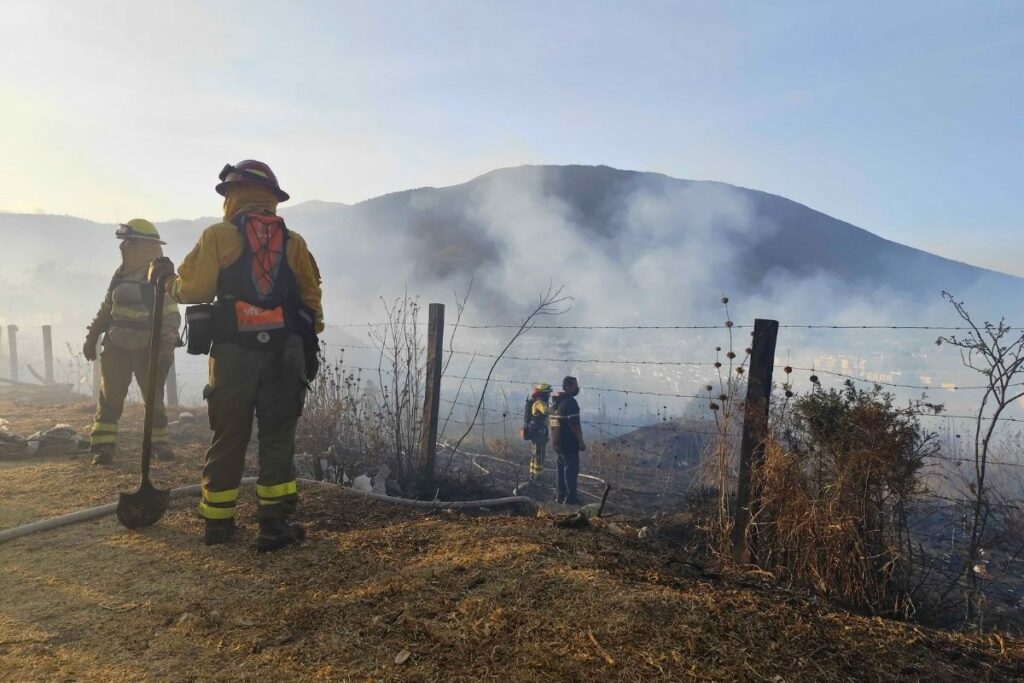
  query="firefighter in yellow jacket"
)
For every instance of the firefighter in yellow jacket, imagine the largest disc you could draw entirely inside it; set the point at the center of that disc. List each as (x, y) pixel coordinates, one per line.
(124, 320)
(266, 313)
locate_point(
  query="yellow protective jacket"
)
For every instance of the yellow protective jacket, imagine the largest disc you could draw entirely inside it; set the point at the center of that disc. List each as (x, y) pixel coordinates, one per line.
(124, 316)
(220, 245)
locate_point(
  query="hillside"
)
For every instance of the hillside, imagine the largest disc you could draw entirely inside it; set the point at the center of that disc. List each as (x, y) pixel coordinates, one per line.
(605, 233)
(616, 209)
(380, 593)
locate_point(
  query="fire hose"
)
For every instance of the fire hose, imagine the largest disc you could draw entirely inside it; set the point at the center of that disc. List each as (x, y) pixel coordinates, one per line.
(195, 489)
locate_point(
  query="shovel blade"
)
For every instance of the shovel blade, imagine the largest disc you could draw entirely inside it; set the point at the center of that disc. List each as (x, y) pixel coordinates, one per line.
(143, 508)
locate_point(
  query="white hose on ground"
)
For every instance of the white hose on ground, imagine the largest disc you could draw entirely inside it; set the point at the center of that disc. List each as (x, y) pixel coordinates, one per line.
(515, 491)
(194, 490)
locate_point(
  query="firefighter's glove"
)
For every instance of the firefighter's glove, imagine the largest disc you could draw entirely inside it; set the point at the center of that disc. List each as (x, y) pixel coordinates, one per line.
(160, 269)
(89, 348)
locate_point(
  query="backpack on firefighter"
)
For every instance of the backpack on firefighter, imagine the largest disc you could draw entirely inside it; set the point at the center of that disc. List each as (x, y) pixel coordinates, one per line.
(258, 303)
(534, 416)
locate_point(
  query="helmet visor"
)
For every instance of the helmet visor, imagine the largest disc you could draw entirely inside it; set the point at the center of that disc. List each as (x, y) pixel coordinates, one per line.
(126, 232)
(230, 172)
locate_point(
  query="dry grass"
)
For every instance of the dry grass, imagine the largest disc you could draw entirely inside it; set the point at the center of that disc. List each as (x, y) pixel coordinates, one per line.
(469, 598)
(31, 489)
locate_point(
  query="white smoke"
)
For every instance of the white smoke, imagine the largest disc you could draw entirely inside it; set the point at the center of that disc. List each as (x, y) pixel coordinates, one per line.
(652, 251)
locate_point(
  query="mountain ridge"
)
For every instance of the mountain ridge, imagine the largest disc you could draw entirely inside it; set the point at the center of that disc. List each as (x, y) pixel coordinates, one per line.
(628, 245)
(325, 205)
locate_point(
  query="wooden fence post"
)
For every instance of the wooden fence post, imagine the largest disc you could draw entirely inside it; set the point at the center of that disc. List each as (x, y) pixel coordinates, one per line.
(48, 353)
(12, 346)
(97, 377)
(171, 385)
(755, 429)
(432, 394)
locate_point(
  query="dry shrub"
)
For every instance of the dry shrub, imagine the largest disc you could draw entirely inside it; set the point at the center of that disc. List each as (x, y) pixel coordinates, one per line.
(342, 423)
(358, 424)
(835, 492)
(719, 459)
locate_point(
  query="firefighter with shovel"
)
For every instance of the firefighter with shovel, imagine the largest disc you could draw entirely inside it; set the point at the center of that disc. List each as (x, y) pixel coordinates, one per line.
(259, 313)
(124, 321)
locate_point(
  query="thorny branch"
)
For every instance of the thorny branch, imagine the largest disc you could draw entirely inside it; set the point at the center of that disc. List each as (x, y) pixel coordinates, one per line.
(991, 350)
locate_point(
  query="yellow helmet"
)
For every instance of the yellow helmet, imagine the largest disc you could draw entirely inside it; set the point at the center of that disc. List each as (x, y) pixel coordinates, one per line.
(138, 229)
(542, 388)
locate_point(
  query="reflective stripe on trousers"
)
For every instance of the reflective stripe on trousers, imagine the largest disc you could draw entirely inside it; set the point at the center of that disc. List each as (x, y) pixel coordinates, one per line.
(218, 504)
(103, 432)
(277, 493)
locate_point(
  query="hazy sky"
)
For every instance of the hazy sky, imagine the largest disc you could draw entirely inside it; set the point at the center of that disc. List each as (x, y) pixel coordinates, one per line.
(904, 118)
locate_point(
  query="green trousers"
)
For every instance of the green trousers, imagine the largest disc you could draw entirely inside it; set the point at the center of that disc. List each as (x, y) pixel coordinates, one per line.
(117, 366)
(268, 384)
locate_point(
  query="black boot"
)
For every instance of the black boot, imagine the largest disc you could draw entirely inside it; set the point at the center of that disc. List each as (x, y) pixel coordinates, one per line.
(102, 453)
(219, 531)
(163, 452)
(278, 533)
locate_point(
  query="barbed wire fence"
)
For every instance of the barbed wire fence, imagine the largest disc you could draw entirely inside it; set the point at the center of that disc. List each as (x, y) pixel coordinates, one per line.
(652, 462)
(638, 458)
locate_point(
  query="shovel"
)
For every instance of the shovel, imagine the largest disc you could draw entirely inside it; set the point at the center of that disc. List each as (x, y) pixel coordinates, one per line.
(147, 505)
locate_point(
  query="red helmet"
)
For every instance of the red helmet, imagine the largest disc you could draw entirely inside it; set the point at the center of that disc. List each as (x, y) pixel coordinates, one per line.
(250, 171)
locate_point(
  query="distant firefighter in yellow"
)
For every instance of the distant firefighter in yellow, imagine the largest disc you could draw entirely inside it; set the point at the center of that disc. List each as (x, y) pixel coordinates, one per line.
(124, 320)
(535, 427)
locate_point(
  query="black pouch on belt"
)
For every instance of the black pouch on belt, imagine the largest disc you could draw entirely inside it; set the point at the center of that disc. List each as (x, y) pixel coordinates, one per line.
(201, 329)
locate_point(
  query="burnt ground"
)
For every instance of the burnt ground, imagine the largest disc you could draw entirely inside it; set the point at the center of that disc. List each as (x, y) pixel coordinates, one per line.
(383, 593)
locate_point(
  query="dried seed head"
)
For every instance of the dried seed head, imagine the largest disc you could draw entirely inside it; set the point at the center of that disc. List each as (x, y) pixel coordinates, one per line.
(717, 364)
(723, 398)
(728, 323)
(788, 370)
(789, 394)
(709, 387)
(814, 379)
(748, 350)
(718, 349)
(725, 299)
(713, 406)
(739, 371)
(730, 355)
